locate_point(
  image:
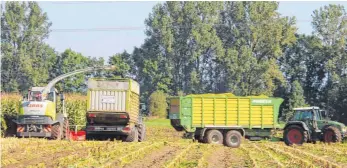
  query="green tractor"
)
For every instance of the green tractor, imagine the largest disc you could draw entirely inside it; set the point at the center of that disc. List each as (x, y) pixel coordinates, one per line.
(309, 125)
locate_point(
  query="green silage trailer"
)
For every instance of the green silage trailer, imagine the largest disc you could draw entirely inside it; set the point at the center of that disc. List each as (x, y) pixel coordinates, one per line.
(224, 118)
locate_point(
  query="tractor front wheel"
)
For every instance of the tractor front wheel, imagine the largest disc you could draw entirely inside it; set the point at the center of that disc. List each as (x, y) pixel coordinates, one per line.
(331, 135)
(294, 135)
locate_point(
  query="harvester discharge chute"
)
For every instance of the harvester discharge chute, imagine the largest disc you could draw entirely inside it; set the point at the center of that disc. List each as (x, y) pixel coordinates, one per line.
(38, 115)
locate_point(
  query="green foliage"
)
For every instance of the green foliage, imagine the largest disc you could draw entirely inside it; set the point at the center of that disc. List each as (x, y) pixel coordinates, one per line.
(122, 62)
(26, 59)
(296, 99)
(76, 107)
(70, 61)
(158, 104)
(9, 109)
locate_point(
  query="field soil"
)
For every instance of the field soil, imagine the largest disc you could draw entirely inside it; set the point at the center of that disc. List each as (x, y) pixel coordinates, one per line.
(165, 147)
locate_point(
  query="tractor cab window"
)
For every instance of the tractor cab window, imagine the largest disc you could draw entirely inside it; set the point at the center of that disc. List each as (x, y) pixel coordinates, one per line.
(302, 115)
(318, 115)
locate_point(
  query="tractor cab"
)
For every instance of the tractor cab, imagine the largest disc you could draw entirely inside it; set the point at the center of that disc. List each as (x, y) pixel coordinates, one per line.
(306, 113)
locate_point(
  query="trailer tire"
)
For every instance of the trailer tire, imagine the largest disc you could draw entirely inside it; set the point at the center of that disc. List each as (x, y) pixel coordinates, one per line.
(213, 137)
(142, 132)
(233, 139)
(133, 136)
(56, 131)
(331, 135)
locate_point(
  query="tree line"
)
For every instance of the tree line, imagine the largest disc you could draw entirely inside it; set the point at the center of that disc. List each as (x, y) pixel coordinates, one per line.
(247, 48)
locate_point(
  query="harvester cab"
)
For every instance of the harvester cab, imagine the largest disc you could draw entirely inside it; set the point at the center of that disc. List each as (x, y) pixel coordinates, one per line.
(308, 124)
(38, 115)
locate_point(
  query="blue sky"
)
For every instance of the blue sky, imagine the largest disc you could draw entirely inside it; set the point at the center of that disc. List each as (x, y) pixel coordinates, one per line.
(82, 15)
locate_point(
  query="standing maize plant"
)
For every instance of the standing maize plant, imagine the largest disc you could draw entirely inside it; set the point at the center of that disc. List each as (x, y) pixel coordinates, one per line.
(76, 107)
(9, 110)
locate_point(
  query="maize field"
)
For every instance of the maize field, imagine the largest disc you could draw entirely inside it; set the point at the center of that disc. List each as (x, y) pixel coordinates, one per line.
(166, 148)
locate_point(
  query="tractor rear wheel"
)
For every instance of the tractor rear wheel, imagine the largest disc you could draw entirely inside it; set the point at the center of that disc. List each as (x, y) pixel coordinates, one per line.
(213, 137)
(294, 134)
(331, 134)
(56, 131)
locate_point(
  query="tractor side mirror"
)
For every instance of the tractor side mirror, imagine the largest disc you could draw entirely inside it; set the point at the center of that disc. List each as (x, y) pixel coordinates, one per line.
(324, 113)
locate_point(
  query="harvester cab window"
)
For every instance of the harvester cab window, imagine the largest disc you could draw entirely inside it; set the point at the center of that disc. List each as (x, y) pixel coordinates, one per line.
(50, 96)
(35, 96)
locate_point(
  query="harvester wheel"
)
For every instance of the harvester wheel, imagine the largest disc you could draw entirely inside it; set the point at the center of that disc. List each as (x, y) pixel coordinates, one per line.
(56, 132)
(133, 136)
(142, 132)
(233, 139)
(331, 134)
(294, 135)
(66, 129)
(214, 137)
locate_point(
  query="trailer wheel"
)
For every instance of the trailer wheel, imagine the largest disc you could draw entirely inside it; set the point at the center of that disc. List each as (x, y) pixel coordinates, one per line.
(331, 134)
(214, 137)
(233, 139)
(142, 132)
(133, 136)
(56, 132)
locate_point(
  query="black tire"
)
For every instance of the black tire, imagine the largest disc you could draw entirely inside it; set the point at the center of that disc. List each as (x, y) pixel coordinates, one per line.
(66, 129)
(331, 135)
(89, 137)
(213, 137)
(142, 132)
(56, 132)
(133, 136)
(197, 137)
(294, 134)
(233, 139)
